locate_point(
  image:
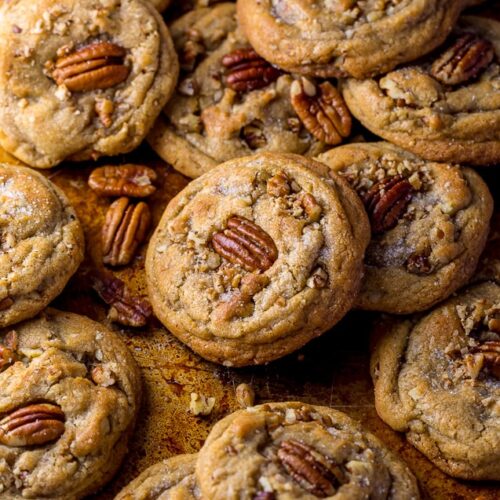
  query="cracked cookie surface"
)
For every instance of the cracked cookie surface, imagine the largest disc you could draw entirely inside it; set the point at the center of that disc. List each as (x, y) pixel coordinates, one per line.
(429, 224)
(171, 479)
(294, 450)
(81, 79)
(84, 373)
(254, 259)
(437, 380)
(348, 37)
(41, 241)
(439, 121)
(210, 119)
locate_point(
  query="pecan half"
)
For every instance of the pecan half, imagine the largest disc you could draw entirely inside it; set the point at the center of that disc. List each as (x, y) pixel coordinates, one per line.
(314, 472)
(125, 228)
(464, 60)
(490, 350)
(246, 244)
(32, 425)
(386, 201)
(135, 181)
(322, 110)
(98, 65)
(193, 50)
(126, 308)
(8, 350)
(247, 71)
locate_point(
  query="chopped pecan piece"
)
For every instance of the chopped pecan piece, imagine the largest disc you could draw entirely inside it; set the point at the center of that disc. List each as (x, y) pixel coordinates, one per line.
(419, 264)
(278, 185)
(311, 207)
(104, 109)
(126, 308)
(314, 472)
(253, 135)
(135, 181)
(192, 50)
(464, 60)
(32, 425)
(247, 71)
(490, 350)
(124, 230)
(98, 65)
(386, 202)
(245, 395)
(8, 350)
(246, 244)
(322, 110)
(5, 303)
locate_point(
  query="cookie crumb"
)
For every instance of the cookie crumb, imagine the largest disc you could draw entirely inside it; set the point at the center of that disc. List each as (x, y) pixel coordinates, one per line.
(201, 405)
(245, 395)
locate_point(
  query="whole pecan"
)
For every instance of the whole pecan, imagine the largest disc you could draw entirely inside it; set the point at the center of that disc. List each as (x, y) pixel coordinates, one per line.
(8, 350)
(135, 181)
(322, 110)
(126, 308)
(464, 60)
(386, 201)
(314, 472)
(98, 65)
(32, 425)
(247, 71)
(125, 228)
(491, 355)
(246, 244)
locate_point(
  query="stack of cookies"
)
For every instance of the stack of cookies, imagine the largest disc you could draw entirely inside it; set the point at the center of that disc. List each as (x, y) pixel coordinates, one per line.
(334, 149)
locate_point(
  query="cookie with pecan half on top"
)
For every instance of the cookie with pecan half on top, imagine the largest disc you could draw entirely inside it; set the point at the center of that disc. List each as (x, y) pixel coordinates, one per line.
(444, 108)
(437, 379)
(429, 224)
(296, 451)
(231, 103)
(81, 79)
(257, 257)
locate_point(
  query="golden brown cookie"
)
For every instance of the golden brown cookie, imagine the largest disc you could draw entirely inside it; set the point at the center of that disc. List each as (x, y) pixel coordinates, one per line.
(171, 479)
(41, 241)
(69, 395)
(437, 380)
(339, 38)
(81, 79)
(231, 103)
(297, 451)
(257, 257)
(446, 107)
(429, 224)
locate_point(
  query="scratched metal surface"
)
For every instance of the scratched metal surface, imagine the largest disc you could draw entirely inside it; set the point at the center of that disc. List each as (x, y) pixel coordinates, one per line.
(331, 370)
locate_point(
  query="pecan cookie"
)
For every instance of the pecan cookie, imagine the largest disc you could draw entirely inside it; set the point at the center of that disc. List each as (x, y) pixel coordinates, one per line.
(446, 108)
(429, 224)
(232, 103)
(255, 258)
(346, 37)
(69, 394)
(171, 479)
(41, 243)
(437, 378)
(294, 450)
(81, 79)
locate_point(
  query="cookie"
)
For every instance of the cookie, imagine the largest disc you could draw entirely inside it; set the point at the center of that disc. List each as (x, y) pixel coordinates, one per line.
(333, 39)
(444, 108)
(437, 380)
(294, 450)
(160, 5)
(69, 394)
(81, 79)
(171, 479)
(257, 257)
(42, 243)
(429, 224)
(232, 103)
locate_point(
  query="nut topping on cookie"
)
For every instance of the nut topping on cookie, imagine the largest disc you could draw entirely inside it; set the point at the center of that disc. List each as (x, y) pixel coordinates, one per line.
(135, 181)
(32, 425)
(386, 202)
(464, 60)
(99, 65)
(418, 264)
(322, 110)
(5, 303)
(124, 230)
(490, 351)
(8, 350)
(247, 71)
(246, 244)
(310, 469)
